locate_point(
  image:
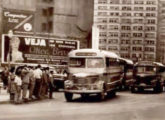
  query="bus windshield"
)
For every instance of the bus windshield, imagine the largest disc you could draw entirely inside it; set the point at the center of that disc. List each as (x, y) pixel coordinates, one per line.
(86, 62)
(77, 62)
(95, 63)
(145, 69)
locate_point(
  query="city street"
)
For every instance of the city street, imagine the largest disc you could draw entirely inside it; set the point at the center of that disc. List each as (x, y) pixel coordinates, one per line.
(125, 106)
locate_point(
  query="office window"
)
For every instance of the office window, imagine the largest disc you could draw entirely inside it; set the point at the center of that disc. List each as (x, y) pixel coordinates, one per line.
(113, 20)
(112, 41)
(102, 1)
(138, 21)
(102, 13)
(149, 49)
(150, 35)
(102, 27)
(126, 8)
(114, 1)
(113, 34)
(114, 8)
(126, 14)
(102, 7)
(113, 27)
(125, 35)
(151, 8)
(102, 20)
(153, 2)
(137, 42)
(44, 27)
(137, 48)
(112, 48)
(139, 2)
(124, 20)
(138, 14)
(138, 28)
(151, 21)
(138, 8)
(125, 27)
(126, 1)
(103, 34)
(150, 14)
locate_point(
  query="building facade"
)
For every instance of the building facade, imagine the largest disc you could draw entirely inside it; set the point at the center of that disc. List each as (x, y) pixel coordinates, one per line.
(161, 32)
(127, 27)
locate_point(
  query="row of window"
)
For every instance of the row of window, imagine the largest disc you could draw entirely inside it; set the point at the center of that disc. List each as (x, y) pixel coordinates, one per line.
(127, 42)
(126, 48)
(138, 2)
(126, 8)
(127, 35)
(125, 14)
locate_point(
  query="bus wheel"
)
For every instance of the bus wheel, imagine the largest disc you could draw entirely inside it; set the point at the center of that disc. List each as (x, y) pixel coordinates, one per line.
(111, 93)
(101, 96)
(133, 89)
(68, 96)
(158, 88)
(140, 89)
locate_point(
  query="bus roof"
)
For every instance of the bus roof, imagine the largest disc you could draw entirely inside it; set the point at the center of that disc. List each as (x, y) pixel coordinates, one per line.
(149, 63)
(92, 52)
(128, 61)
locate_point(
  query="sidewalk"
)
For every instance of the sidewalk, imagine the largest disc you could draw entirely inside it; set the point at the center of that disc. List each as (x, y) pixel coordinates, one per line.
(4, 96)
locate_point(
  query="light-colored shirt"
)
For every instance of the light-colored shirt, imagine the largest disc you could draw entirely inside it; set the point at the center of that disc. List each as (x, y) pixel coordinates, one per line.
(37, 73)
(18, 80)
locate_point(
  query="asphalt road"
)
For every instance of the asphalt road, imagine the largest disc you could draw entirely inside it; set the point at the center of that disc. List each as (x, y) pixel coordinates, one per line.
(125, 106)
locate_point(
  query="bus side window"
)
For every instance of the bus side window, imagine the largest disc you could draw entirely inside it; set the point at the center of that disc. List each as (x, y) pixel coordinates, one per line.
(107, 62)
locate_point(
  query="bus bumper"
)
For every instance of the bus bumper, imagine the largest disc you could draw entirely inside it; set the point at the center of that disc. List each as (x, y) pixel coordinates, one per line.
(83, 91)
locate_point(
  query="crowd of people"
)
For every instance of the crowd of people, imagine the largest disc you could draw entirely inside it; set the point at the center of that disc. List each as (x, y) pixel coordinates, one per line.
(27, 83)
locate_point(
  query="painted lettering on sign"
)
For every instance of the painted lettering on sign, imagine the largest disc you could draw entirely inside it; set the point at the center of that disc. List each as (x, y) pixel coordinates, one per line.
(35, 42)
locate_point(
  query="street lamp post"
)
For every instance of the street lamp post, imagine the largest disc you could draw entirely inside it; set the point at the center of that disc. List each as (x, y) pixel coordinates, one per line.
(10, 35)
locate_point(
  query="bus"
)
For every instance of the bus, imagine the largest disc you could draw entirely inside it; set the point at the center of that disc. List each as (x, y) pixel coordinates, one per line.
(127, 80)
(148, 74)
(92, 71)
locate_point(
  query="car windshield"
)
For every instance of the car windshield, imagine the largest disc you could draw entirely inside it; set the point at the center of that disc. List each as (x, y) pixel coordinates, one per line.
(95, 63)
(146, 69)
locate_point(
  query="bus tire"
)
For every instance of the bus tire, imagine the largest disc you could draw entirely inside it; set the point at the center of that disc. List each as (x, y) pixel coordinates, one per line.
(158, 88)
(68, 96)
(111, 93)
(101, 96)
(140, 89)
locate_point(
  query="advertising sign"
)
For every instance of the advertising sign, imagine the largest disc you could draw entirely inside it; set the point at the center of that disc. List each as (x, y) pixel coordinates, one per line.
(18, 20)
(36, 50)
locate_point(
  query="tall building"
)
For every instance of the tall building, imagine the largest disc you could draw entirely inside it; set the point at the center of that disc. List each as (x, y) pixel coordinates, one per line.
(127, 27)
(161, 32)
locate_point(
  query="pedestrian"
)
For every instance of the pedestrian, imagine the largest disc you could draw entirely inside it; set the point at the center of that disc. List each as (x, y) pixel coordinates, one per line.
(51, 85)
(44, 83)
(37, 75)
(25, 82)
(18, 82)
(12, 88)
(5, 76)
(32, 83)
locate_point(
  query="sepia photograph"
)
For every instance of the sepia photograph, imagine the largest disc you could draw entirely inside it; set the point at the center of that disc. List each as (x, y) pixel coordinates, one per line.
(82, 59)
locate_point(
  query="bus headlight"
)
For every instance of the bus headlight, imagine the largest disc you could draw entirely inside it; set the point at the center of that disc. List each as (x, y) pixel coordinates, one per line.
(100, 84)
(68, 84)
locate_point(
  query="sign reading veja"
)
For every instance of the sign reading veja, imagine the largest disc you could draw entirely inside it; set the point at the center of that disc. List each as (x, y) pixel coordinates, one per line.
(27, 49)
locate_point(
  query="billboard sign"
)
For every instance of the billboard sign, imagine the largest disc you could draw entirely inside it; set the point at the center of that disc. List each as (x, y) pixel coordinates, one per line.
(36, 50)
(18, 20)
